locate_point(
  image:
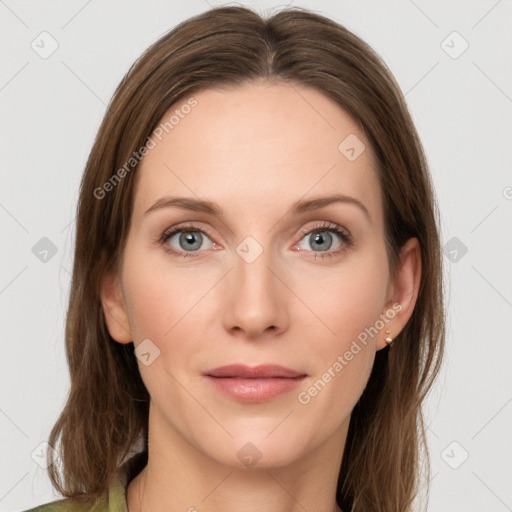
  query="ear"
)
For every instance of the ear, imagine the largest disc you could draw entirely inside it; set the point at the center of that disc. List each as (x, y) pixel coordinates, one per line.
(114, 308)
(403, 291)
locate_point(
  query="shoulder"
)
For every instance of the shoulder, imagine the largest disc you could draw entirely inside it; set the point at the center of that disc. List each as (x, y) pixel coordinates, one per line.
(115, 501)
(70, 505)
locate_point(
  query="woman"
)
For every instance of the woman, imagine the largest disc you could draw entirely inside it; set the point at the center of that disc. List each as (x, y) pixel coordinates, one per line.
(256, 312)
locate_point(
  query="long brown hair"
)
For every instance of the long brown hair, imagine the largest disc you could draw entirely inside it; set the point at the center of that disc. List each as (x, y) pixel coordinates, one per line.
(106, 414)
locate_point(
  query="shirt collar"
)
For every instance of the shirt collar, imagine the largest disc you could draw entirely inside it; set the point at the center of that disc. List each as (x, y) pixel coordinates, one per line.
(125, 474)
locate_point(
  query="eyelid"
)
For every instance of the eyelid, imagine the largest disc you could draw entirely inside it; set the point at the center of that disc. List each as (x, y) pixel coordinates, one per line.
(325, 226)
(187, 226)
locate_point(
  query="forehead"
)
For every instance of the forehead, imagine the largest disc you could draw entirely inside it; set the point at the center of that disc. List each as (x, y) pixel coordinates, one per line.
(257, 144)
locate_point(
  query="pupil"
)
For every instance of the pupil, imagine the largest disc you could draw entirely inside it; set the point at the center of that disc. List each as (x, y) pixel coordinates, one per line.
(191, 240)
(322, 239)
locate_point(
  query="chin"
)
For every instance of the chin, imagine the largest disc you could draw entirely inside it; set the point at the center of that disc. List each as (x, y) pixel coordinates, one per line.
(257, 452)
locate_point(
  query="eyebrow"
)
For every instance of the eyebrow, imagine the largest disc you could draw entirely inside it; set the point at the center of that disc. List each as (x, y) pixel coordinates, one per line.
(299, 207)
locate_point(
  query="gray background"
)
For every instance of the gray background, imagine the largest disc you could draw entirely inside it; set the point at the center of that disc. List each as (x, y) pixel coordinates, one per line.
(461, 103)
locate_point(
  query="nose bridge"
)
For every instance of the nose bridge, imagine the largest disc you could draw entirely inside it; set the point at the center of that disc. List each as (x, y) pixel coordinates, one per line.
(255, 300)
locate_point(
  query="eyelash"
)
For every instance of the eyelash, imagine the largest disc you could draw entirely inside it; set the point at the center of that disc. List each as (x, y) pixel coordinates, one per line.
(346, 239)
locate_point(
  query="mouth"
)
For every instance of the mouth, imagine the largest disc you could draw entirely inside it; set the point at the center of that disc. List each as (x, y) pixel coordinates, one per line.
(254, 384)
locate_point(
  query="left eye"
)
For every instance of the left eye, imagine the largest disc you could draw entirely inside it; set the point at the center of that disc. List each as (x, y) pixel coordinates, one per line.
(323, 240)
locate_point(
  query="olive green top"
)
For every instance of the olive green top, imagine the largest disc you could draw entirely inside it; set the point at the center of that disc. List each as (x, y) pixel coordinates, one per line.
(115, 500)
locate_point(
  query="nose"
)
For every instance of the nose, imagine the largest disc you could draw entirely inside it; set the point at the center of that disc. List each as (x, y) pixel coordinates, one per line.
(255, 304)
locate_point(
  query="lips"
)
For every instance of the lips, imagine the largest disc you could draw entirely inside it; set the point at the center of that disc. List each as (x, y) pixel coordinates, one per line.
(254, 384)
(256, 372)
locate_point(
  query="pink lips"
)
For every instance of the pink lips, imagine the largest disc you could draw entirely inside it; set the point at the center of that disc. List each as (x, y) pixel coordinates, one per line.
(254, 384)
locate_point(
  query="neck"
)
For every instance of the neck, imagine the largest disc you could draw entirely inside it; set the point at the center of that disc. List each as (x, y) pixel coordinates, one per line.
(179, 477)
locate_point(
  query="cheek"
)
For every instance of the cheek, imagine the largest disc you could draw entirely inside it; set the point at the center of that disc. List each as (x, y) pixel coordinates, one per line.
(333, 393)
(348, 302)
(160, 305)
(159, 296)
(168, 305)
(346, 299)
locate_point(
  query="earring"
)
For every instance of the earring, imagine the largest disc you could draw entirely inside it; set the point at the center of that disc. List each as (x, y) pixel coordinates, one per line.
(388, 339)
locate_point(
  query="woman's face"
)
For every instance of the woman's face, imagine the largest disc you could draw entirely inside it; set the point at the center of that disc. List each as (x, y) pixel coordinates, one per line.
(265, 279)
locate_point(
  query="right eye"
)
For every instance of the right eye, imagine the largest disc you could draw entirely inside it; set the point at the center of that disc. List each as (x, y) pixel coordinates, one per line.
(184, 240)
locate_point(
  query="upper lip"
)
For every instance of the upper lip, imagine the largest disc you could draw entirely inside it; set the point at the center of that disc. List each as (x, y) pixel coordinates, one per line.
(254, 372)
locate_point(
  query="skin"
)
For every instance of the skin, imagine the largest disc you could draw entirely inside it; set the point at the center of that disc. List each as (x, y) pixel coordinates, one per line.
(254, 150)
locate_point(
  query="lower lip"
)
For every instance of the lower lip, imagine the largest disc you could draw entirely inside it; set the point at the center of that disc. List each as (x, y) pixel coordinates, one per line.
(255, 390)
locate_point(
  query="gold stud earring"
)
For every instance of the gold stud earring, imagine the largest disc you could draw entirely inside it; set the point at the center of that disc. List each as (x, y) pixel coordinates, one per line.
(388, 339)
